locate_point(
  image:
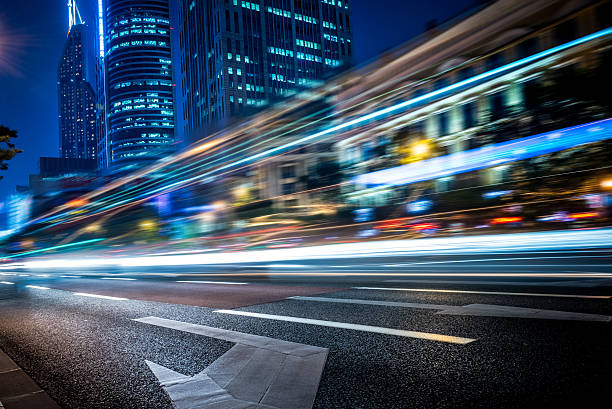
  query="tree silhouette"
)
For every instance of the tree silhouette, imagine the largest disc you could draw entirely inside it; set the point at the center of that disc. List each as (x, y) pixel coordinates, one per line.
(7, 149)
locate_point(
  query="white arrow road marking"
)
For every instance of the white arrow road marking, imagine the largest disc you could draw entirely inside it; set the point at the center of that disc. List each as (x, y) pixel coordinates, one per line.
(256, 373)
(357, 327)
(485, 310)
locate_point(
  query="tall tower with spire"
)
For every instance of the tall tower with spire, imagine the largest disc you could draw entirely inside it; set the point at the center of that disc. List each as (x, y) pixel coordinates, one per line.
(76, 97)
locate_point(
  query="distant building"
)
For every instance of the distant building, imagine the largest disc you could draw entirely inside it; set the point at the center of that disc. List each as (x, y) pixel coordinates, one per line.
(53, 167)
(77, 99)
(138, 75)
(238, 56)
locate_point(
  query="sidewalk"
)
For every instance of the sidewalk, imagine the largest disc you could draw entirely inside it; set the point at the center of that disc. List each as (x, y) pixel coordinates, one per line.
(18, 390)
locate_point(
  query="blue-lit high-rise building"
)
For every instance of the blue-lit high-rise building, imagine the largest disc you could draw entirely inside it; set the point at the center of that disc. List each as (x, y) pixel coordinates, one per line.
(234, 57)
(76, 97)
(138, 81)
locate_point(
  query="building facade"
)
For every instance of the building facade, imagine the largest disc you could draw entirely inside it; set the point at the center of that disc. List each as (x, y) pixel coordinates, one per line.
(76, 97)
(238, 56)
(445, 122)
(138, 81)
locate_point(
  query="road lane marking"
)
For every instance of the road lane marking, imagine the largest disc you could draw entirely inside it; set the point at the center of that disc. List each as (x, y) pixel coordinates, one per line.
(373, 302)
(488, 310)
(569, 283)
(6, 282)
(257, 372)
(38, 287)
(212, 282)
(118, 278)
(431, 290)
(357, 327)
(106, 297)
(70, 276)
(482, 260)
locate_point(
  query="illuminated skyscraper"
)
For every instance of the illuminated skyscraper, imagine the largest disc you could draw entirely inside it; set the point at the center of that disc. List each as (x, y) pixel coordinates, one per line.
(239, 56)
(77, 109)
(138, 72)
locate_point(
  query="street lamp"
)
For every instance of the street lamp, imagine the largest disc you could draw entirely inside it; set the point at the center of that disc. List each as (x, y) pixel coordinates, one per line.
(606, 184)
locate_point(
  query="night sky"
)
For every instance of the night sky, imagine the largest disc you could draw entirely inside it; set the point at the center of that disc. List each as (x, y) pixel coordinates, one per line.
(32, 33)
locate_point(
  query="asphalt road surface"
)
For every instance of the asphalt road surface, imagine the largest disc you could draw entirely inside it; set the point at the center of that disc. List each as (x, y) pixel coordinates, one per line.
(457, 331)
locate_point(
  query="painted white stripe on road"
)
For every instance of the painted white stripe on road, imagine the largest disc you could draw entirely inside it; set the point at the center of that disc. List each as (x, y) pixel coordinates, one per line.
(431, 290)
(118, 278)
(70, 276)
(213, 282)
(482, 260)
(373, 302)
(6, 282)
(37, 287)
(357, 327)
(106, 297)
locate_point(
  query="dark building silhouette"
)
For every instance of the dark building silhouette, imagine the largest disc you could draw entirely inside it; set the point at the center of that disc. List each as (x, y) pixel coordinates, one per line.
(138, 76)
(77, 108)
(239, 56)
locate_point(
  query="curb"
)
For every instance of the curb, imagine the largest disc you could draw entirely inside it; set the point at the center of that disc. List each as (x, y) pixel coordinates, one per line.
(18, 390)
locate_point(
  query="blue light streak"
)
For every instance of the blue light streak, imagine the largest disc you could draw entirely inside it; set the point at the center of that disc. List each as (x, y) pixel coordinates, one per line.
(376, 115)
(489, 156)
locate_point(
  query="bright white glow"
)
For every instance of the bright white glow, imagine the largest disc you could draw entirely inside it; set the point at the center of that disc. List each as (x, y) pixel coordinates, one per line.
(213, 282)
(551, 240)
(6, 282)
(37, 287)
(70, 276)
(106, 297)
(118, 278)
(101, 27)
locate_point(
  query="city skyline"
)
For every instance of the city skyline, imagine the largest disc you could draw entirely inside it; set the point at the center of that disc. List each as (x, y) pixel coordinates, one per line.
(43, 45)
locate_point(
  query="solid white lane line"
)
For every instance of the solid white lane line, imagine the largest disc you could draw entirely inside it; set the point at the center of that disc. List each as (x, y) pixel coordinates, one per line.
(481, 260)
(430, 290)
(106, 297)
(6, 282)
(37, 287)
(373, 302)
(212, 282)
(118, 278)
(357, 327)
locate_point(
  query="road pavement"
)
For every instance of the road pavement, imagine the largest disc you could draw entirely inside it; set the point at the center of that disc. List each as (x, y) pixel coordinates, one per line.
(438, 331)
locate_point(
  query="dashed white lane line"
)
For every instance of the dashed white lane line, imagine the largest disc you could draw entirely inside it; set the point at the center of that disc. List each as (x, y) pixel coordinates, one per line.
(357, 327)
(6, 282)
(373, 302)
(483, 310)
(212, 282)
(70, 276)
(106, 297)
(118, 278)
(430, 290)
(38, 287)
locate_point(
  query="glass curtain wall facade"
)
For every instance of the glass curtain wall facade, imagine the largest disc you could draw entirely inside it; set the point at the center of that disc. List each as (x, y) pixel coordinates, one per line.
(239, 56)
(77, 108)
(139, 87)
